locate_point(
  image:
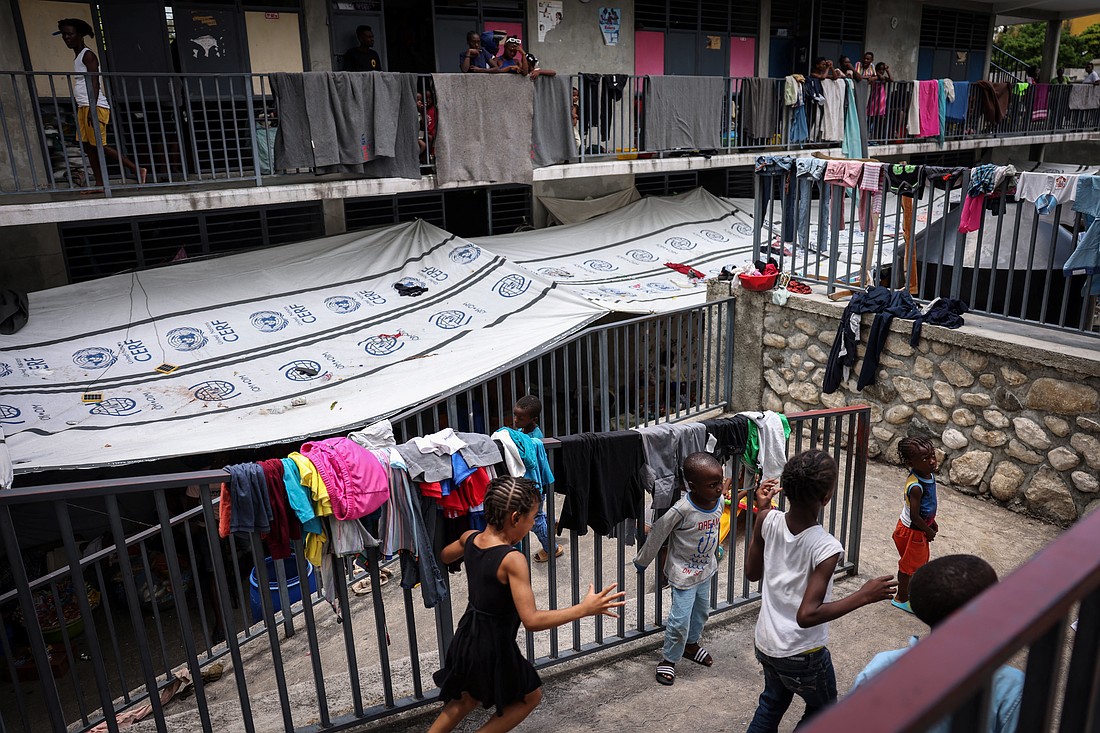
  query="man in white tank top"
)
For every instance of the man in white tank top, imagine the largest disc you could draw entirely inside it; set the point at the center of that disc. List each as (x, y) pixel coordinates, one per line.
(91, 131)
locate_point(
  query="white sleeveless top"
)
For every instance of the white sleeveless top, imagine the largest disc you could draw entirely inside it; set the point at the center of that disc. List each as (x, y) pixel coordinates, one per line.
(80, 84)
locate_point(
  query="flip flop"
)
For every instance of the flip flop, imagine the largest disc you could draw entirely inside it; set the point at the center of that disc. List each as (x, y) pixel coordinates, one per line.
(903, 606)
(541, 555)
(701, 656)
(666, 674)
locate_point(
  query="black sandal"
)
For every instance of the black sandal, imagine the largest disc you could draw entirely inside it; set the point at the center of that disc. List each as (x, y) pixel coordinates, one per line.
(666, 674)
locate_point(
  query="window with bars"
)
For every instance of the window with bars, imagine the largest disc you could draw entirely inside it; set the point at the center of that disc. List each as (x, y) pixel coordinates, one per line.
(100, 248)
(954, 29)
(842, 21)
(481, 9)
(714, 16)
(496, 210)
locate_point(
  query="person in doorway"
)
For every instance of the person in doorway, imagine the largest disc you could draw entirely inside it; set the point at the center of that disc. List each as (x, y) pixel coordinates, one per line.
(88, 92)
(845, 68)
(476, 59)
(917, 525)
(484, 666)
(363, 57)
(939, 589)
(796, 558)
(692, 528)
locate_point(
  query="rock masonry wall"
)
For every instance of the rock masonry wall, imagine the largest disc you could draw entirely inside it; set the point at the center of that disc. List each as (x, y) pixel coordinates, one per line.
(1005, 424)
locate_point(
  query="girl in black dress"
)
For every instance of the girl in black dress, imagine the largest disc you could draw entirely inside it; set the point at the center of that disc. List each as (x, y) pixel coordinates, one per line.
(484, 665)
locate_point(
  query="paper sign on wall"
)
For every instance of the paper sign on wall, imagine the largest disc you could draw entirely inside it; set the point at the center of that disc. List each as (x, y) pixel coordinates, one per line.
(609, 25)
(549, 17)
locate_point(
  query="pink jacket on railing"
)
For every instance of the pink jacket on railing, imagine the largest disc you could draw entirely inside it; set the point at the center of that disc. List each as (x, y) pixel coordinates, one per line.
(357, 483)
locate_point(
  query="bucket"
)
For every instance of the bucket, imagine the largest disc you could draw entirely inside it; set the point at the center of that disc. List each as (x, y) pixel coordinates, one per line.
(293, 585)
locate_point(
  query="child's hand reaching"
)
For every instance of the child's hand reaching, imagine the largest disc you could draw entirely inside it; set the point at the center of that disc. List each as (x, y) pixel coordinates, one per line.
(595, 604)
(765, 492)
(879, 589)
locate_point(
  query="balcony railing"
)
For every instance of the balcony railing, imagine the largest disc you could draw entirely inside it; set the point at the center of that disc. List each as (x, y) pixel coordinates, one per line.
(203, 130)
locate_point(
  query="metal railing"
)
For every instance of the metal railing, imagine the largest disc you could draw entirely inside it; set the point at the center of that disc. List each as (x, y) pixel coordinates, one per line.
(199, 130)
(644, 370)
(1049, 607)
(1005, 67)
(1010, 267)
(160, 592)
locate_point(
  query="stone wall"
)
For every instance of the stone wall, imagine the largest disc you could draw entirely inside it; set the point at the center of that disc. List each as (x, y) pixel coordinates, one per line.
(1013, 418)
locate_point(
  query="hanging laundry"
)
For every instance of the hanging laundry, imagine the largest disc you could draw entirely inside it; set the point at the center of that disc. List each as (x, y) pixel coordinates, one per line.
(843, 354)
(900, 305)
(284, 523)
(957, 108)
(835, 93)
(299, 498)
(1032, 186)
(357, 483)
(946, 312)
(251, 501)
(854, 142)
(1086, 257)
(766, 443)
(322, 507)
(912, 117)
(730, 435)
(532, 455)
(929, 96)
(600, 476)
(478, 450)
(225, 512)
(994, 101)
(666, 446)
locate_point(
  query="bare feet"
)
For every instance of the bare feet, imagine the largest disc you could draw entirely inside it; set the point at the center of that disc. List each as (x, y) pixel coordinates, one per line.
(141, 175)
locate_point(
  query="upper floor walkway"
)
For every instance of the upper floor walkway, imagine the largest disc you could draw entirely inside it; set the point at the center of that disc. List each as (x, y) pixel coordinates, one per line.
(221, 141)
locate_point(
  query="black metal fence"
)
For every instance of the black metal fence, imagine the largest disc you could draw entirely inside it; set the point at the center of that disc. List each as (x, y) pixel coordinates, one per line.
(1008, 266)
(142, 591)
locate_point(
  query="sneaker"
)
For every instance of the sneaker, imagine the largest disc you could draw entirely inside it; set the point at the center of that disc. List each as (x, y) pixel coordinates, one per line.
(903, 606)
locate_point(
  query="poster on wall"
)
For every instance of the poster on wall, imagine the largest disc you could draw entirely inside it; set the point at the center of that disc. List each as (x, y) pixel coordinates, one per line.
(609, 25)
(549, 17)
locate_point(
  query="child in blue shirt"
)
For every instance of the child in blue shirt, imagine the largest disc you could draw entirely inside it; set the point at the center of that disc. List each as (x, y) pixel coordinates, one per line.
(525, 418)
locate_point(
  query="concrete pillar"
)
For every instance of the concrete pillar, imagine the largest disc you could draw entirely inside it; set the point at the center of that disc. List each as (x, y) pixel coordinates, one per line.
(318, 38)
(24, 168)
(332, 212)
(764, 39)
(1050, 50)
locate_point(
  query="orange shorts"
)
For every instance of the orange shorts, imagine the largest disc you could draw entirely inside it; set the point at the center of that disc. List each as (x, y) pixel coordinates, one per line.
(912, 545)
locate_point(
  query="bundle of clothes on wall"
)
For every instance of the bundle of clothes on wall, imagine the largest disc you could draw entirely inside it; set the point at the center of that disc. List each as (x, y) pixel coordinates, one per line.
(342, 496)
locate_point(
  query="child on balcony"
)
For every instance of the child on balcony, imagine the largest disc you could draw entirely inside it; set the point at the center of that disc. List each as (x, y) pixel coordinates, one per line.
(693, 525)
(484, 665)
(917, 524)
(796, 558)
(939, 589)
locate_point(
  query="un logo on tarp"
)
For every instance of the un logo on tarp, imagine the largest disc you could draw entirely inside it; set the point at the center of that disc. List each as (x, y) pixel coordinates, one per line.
(512, 285)
(680, 243)
(214, 390)
(554, 272)
(465, 254)
(115, 407)
(302, 370)
(5, 369)
(186, 339)
(8, 413)
(268, 321)
(642, 256)
(94, 358)
(617, 292)
(381, 345)
(660, 287)
(713, 235)
(742, 228)
(449, 319)
(341, 304)
(601, 265)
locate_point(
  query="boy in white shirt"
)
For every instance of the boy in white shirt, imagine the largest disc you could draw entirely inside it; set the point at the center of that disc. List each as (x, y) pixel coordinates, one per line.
(796, 558)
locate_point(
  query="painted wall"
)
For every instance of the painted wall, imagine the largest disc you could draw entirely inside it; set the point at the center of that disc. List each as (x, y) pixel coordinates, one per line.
(899, 46)
(274, 43)
(576, 44)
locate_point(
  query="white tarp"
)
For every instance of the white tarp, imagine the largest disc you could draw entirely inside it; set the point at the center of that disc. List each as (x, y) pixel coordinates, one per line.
(618, 260)
(273, 345)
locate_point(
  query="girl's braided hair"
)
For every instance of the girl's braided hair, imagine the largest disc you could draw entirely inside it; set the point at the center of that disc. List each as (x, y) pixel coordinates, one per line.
(809, 476)
(506, 495)
(912, 447)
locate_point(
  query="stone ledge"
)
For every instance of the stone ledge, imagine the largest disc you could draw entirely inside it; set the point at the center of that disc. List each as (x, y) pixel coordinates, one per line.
(1029, 343)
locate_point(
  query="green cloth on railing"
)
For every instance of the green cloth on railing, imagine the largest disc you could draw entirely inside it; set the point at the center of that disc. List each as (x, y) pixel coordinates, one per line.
(850, 146)
(943, 112)
(1020, 88)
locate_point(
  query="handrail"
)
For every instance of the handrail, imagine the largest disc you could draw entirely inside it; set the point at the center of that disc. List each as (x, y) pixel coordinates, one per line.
(941, 673)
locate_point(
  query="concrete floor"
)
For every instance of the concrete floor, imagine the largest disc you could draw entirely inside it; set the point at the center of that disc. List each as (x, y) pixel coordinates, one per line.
(615, 688)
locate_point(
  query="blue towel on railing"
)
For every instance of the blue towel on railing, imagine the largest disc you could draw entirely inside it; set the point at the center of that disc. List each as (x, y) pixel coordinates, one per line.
(957, 110)
(1087, 255)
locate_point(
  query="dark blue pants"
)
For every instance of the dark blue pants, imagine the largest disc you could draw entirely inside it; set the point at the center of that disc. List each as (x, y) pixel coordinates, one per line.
(810, 676)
